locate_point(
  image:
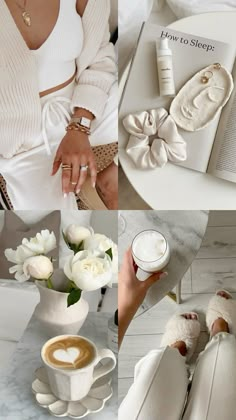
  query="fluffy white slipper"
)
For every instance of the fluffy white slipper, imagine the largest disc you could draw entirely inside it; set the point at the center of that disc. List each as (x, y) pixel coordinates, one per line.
(178, 328)
(219, 307)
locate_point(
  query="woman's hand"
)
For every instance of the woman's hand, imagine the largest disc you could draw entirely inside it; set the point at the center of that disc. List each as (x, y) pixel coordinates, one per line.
(131, 292)
(75, 151)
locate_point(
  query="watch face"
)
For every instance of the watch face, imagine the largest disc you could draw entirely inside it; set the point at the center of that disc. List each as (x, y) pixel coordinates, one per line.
(85, 122)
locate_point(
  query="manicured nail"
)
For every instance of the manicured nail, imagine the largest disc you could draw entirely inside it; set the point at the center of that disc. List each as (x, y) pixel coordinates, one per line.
(164, 274)
(78, 191)
(65, 195)
(94, 185)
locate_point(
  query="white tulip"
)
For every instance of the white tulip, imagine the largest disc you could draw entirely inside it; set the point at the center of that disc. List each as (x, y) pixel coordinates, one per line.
(101, 243)
(76, 234)
(88, 271)
(39, 267)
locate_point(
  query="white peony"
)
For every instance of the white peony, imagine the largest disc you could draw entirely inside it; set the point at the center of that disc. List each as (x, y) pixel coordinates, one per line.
(89, 271)
(101, 243)
(39, 267)
(76, 234)
(42, 243)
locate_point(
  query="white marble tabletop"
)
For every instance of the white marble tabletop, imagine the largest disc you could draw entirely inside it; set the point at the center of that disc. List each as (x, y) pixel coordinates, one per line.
(17, 401)
(184, 231)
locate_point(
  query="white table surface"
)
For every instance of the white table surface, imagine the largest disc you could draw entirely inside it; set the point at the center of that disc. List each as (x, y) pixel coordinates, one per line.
(176, 187)
(17, 401)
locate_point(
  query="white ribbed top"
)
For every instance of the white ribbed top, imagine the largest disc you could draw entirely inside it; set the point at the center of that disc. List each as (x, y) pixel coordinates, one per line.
(20, 107)
(56, 56)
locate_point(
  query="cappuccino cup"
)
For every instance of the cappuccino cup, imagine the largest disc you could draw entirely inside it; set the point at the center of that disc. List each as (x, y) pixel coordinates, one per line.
(71, 362)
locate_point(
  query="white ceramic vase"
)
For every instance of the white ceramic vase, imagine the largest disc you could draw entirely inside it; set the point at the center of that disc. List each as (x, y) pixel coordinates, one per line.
(54, 315)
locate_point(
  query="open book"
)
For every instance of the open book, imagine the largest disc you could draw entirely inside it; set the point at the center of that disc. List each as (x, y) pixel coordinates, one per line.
(212, 149)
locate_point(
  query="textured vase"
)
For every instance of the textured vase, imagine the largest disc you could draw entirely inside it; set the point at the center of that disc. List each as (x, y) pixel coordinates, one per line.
(54, 315)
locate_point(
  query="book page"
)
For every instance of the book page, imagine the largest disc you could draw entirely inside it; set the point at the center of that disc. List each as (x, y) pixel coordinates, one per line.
(223, 159)
(190, 54)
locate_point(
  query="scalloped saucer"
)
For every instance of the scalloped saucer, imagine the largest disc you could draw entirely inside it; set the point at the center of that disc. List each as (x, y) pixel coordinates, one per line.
(92, 403)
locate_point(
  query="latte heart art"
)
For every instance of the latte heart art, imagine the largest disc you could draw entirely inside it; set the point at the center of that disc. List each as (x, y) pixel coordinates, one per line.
(69, 353)
(68, 356)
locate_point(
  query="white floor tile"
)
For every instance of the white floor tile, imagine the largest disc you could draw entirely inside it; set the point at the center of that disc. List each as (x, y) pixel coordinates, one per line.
(219, 242)
(222, 218)
(209, 275)
(186, 285)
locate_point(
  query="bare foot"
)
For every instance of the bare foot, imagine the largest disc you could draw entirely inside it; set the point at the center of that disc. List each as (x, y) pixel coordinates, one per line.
(180, 345)
(223, 294)
(220, 325)
(107, 186)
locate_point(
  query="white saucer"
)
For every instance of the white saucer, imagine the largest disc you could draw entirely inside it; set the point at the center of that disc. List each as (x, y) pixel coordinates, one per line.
(92, 403)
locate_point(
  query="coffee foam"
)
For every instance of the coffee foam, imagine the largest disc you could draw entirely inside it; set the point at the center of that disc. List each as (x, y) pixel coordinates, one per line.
(69, 353)
(149, 246)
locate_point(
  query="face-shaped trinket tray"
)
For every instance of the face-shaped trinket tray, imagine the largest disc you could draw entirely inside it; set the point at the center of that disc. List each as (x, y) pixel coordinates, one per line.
(202, 98)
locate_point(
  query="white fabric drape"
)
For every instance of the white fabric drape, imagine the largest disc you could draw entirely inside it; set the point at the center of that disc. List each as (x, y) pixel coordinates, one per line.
(131, 16)
(183, 8)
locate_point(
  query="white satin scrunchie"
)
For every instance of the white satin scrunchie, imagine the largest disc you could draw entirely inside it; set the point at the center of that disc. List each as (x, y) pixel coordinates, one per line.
(169, 145)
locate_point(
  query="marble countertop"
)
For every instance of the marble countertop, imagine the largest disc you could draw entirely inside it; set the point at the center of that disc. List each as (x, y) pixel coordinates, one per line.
(184, 231)
(17, 401)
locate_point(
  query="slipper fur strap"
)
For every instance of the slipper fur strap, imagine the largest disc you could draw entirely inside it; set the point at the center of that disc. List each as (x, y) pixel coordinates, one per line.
(168, 145)
(219, 307)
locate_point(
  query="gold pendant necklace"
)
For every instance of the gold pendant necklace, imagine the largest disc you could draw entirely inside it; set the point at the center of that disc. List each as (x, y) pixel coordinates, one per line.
(25, 15)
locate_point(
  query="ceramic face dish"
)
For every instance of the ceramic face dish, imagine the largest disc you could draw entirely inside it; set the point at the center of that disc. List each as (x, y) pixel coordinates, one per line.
(202, 97)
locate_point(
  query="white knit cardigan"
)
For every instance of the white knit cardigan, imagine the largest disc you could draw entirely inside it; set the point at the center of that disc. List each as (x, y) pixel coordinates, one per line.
(20, 108)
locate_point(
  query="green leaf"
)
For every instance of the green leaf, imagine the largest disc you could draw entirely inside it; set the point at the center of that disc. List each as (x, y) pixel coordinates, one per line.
(73, 297)
(109, 252)
(79, 247)
(70, 286)
(65, 238)
(73, 247)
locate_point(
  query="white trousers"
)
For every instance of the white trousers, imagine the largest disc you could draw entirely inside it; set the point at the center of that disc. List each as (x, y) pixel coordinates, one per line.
(159, 391)
(28, 174)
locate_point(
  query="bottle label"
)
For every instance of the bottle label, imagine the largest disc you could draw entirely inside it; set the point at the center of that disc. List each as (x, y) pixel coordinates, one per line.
(166, 77)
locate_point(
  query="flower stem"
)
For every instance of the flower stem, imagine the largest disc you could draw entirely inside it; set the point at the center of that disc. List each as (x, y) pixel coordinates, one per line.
(49, 283)
(71, 286)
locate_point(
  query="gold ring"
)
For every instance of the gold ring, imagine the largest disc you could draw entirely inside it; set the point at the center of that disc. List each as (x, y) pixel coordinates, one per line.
(206, 76)
(73, 183)
(65, 167)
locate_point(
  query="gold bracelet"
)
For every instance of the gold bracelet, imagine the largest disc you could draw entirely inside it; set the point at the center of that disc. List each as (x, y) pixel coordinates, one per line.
(77, 127)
